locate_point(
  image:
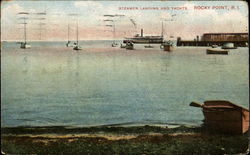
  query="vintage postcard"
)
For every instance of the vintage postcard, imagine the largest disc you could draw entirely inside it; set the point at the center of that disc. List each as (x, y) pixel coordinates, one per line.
(124, 77)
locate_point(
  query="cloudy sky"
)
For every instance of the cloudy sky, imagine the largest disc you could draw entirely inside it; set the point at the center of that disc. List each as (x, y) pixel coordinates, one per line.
(184, 19)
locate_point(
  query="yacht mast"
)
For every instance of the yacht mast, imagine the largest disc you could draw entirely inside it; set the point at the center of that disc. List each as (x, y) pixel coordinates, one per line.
(77, 32)
(68, 32)
(114, 32)
(40, 31)
(25, 35)
(41, 17)
(162, 29)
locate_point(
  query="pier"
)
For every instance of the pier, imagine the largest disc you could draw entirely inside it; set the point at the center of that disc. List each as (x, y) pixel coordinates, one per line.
(208, 39)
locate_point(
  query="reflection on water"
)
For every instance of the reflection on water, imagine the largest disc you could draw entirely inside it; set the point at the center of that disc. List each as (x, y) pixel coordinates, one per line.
(98, 86)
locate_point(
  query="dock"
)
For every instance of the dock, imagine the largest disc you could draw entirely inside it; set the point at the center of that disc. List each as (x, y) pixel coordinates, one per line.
(209, 39)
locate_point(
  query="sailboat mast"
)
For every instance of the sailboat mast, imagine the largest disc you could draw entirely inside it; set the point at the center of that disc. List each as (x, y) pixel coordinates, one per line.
(162, 29)
(77, 32)
(114, 32)
(40, 35)
(68, 32)
(25, 35)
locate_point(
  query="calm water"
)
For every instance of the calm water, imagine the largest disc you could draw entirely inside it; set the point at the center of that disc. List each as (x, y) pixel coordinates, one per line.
(50, 84)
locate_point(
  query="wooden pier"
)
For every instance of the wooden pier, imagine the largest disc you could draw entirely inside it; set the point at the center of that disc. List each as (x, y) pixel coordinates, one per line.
(210, 43)
(209, 39)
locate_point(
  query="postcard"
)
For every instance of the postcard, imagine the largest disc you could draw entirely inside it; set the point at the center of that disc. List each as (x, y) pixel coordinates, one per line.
(124, 77)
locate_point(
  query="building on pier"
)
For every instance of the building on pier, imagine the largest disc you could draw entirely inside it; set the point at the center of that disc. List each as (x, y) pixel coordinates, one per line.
(208, 39)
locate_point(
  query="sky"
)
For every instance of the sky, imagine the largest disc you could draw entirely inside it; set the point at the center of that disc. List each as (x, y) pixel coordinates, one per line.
(185, 19)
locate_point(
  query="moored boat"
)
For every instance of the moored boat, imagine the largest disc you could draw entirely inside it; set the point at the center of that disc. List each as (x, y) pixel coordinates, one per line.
(214, 46)
(114, 44)
(228, 46)
(68, 44)
(224, 116)
(217, 51)
(167, 46)
(76, 45)
(77, 48)
(25, 45)
(123, 46)
(130, 46)
(149, 46)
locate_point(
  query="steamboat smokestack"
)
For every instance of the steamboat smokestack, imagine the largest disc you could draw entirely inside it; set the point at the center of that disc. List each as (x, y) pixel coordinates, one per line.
(141, 32)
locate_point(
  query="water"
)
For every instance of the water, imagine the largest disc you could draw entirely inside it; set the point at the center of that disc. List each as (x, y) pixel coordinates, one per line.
(50, 84)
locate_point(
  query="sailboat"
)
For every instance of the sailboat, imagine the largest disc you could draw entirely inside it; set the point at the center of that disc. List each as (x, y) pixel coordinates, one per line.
(114, 44)
(76, 46)
(68, 43)
(24, 44)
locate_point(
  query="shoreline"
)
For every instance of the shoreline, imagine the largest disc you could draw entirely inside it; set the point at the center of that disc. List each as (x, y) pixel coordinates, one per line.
(120, 140)
(101, 128)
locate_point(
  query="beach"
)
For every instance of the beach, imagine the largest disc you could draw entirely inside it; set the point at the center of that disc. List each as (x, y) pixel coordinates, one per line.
(121, 140)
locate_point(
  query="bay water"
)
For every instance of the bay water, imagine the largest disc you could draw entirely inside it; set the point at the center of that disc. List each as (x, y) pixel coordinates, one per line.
(53, 85)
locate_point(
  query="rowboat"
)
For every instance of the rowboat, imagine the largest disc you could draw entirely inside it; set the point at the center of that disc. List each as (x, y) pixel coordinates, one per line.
(224, 116)
(217, 51)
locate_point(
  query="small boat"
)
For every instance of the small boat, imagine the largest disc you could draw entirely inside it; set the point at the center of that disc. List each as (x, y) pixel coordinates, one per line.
(129, 46)
(168, 48)
(214, 46)
(217, 51)
(228, 46)
(149, 46)
(123, 46)
(224, 116)
(68, 44)
(25, 45)
(114, 44)
(76, 45)
(77, 48)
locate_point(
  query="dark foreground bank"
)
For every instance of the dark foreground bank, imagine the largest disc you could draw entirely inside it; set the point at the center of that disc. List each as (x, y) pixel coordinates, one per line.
(120, 140)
